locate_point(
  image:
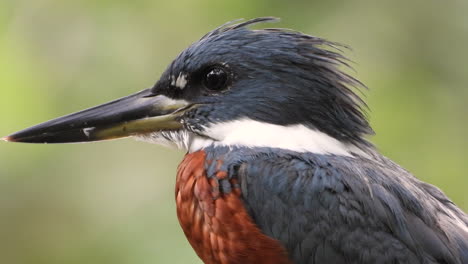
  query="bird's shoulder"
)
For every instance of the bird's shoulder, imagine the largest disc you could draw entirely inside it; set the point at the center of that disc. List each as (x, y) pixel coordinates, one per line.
(327, 207)
(213, 217)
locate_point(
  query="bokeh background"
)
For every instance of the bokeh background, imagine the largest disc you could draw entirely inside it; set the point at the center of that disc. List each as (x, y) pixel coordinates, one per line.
(112, 202)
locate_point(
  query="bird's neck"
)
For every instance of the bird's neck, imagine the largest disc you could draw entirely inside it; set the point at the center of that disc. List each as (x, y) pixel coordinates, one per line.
(253, 134)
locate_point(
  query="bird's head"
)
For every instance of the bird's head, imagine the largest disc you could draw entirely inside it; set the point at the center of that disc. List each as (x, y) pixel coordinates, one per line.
(235, 86)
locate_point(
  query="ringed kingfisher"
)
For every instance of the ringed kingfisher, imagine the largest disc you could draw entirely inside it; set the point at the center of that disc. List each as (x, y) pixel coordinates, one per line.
(278, 168)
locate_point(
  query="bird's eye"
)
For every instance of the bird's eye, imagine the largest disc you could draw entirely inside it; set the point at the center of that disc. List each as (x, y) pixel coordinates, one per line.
(215, 79)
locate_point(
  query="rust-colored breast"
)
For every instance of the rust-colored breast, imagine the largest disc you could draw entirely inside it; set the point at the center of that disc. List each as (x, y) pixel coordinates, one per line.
(216, 223)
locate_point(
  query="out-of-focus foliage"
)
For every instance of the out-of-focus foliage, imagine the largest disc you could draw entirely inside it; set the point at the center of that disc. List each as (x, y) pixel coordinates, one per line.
(112, 202)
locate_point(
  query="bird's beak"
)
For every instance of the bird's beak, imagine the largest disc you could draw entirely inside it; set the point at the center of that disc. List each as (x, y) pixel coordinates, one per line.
(136, 114)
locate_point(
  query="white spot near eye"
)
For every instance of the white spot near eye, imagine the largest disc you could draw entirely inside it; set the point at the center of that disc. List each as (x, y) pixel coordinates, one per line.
(180, 82)
(172, 80)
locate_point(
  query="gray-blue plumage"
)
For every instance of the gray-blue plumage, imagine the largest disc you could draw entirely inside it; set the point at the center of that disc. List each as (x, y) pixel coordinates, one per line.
(334, 209)
(277, 76)
(322, 208)
(334, 201)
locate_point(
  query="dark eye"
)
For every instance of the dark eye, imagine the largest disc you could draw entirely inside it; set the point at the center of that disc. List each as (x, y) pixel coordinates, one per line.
(215, 79)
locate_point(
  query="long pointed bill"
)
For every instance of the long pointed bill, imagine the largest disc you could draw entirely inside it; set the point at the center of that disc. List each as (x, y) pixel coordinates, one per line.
(136, 114)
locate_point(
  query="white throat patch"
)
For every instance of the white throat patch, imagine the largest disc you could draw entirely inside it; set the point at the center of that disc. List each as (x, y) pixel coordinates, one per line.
(250, 133)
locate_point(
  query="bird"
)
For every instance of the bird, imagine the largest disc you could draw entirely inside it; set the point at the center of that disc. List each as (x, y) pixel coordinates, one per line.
(278, 165)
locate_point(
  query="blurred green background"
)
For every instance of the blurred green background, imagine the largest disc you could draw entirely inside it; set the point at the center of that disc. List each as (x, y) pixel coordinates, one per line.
(112, 202)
